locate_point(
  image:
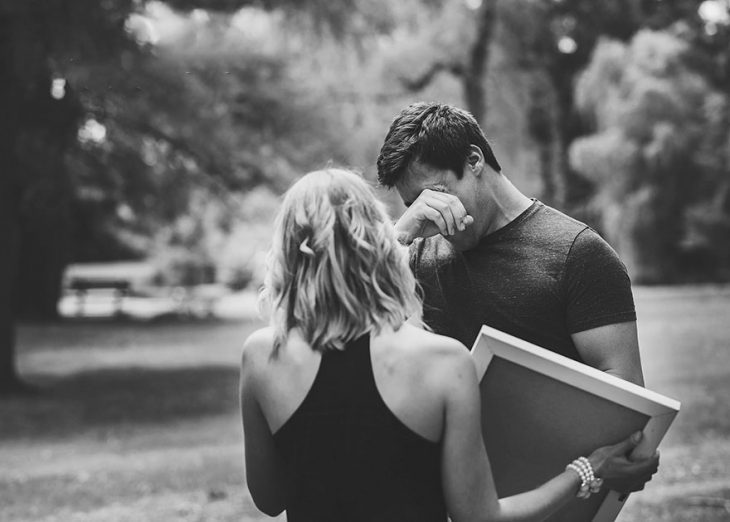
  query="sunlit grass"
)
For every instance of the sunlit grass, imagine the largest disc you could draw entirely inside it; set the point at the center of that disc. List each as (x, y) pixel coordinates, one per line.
(133, 422)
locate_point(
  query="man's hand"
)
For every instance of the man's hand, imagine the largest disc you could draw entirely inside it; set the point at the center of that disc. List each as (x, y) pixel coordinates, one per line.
(618, 470)
(432, 213)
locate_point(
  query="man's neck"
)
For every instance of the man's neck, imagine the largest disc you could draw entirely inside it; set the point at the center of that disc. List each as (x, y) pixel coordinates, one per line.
(506, 203)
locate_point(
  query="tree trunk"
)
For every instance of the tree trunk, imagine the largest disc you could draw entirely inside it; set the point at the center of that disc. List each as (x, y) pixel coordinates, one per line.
(472, 71)
(42, 256)
(9, 212)
(45, 225)
(475, 72)
(542, 129)
(9, 232)
(46, 127)
(35, 131)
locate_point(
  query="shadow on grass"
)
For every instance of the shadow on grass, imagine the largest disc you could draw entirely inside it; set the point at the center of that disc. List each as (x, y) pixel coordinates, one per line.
(111, 335)
(112, 399)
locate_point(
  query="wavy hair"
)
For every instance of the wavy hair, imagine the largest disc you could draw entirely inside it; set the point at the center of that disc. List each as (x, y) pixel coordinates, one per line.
(335, 269)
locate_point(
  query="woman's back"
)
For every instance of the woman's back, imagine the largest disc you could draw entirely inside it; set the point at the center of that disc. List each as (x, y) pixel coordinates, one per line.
(358, 430)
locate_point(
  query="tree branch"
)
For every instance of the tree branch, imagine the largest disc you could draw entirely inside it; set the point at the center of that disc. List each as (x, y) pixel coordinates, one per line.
(217, 175)
(473, 72)
(421, 82)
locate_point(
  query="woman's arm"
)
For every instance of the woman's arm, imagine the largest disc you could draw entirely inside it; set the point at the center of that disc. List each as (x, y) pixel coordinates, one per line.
(264, 472)
(468, 483)
(467, 475)
(609, 463)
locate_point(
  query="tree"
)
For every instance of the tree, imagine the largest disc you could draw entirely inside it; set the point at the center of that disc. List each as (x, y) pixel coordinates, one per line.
(536, 34)
(66, 65)
(658, 154)
(38, 118)
(552, 41)
(574, 29)
(439, 47)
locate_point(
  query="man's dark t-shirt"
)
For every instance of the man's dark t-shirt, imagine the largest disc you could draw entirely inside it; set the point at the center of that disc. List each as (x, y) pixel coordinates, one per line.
(542, 277)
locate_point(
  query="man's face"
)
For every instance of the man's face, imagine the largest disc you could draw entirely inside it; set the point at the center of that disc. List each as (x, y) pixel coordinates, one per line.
(419, 177)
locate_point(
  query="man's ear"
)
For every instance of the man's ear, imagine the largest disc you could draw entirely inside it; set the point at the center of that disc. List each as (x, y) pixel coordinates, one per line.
(475, 160)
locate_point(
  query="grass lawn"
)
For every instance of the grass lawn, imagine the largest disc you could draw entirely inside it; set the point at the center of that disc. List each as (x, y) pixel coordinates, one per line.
(139, 422)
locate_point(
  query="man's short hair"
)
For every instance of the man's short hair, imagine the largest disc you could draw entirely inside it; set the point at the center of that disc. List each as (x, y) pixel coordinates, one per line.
(435, 134)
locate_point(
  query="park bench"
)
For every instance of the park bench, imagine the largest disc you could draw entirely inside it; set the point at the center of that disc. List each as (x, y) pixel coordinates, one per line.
(129, 289)
(120, 288)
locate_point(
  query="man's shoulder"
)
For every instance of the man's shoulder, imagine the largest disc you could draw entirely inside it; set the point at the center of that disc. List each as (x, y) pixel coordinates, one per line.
(555, 222)
(582, 237)
(543, 233)
(571, 236)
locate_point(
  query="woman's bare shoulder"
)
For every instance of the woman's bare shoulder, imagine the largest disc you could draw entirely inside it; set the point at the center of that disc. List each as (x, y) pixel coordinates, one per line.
(257, 348)
(422, 341)
(432, 362)
(428, 350)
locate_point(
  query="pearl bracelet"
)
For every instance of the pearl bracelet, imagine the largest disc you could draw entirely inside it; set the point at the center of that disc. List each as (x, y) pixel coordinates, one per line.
(589, 483)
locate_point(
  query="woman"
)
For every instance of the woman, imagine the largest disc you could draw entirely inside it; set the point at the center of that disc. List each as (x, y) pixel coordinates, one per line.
(352, 414)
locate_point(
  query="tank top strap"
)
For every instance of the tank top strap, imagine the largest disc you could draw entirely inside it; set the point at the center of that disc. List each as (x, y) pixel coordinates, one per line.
(351, 366)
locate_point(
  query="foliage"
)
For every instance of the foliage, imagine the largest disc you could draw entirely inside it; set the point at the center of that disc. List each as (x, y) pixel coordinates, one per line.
(240, 259)
(232, 94)
(211, 110)
(658, 155)
(99, 124)
(228, 101)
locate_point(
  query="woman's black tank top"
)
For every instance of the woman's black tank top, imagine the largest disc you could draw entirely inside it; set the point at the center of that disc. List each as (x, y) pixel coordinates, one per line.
(349, 458)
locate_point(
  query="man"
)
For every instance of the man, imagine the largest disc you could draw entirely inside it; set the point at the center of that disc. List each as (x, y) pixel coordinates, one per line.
(487, 254)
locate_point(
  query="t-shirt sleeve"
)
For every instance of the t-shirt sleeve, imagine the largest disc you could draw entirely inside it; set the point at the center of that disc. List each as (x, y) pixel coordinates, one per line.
(597, 285)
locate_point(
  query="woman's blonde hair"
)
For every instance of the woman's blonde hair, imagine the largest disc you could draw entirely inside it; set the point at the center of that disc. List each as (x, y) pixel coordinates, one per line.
(335, 269)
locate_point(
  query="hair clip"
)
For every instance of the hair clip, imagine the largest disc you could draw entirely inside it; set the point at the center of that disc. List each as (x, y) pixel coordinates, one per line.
(305, 249)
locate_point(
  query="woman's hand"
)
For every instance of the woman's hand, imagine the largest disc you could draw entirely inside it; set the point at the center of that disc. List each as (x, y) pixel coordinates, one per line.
(618, 470)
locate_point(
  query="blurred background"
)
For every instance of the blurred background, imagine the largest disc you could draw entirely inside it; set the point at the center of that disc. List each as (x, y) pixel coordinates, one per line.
(143, 148)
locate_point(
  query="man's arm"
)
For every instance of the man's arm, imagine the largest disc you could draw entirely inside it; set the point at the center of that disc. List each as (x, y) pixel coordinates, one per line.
(613, 348)
(600, 308)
